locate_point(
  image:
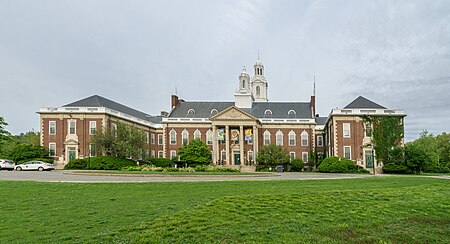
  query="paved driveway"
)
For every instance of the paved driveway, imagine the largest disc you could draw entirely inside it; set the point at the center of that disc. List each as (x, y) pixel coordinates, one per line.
(71, 176)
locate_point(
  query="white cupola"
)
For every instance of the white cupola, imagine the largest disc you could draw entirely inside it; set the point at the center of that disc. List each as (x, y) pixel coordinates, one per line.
(259, 84)
(243, 96)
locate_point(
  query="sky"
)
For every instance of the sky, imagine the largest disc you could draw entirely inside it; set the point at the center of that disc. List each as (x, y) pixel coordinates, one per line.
(139, 53)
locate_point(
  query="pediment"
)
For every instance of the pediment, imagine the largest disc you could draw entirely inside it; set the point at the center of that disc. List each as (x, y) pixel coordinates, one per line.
(70, 142)
(232, 113)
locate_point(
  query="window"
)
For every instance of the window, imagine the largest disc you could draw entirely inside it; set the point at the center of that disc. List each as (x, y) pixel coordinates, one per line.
(191, 111)
(292, 138)
(147, 154)
(268, 112)
(266, 137)
(209, 138)
(92, 127)
(92, 151)
(320, 141)
(72, 127)
(185, 137)
(279, 138)
(160, 139)
(304, 138)
(173, 137)
(214, 111)
(146, 137)
(346, 127)
(250, 156)
(347, 152)
(304, 157)
(153, 154)
(197, 135)
(153, 139)
(160, 154)
(258, 91)
(292, 155)
(52, 127)
(223, 155)
(173, 154)
(114, 127)
(52, 149)
(292, 112)
(368, 130)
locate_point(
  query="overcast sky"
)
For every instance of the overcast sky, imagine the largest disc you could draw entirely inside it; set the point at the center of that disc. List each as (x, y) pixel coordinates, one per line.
(396, 53)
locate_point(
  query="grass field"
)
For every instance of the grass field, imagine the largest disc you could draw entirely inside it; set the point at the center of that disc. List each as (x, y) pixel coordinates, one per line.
(375, 209)
(165, 173)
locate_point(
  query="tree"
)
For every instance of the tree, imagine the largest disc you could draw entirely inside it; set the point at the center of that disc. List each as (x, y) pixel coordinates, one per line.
(416, 158)
(196, 152)
(21, 151)
(272, 155)
(30, 137)
(4, 135)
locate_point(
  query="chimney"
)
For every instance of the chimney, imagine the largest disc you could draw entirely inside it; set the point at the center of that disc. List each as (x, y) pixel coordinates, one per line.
(175, 101)
(313, 104)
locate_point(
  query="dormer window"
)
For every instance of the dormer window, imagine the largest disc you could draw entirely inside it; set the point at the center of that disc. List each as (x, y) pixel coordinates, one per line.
(214, 111)
(268, 112)
(191, 111)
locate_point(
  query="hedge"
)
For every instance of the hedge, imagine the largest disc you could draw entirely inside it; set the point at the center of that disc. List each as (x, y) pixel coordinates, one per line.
(340, 165)
(100, 163)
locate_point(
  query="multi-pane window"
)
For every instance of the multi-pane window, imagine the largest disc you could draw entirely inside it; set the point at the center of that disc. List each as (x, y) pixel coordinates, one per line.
(250, 156)
(173, 154)
(114, 128)
(153, 154)
(160, 154)
(92, 151)
(173, 137)
(320, 141)
(160, 139)
(92, 127)
(266, 137)
(346, 129)
(347, 152)
(209, 137)
(147, 137)
(279, 138)
(197, 135)
(368, 130)
(153, 139)
(72, 127)
(292, 138)
(305, 157)
(292, 155)
(304, 138)
(223, 155)
(52, 127)
(52, 149)
(185, 137)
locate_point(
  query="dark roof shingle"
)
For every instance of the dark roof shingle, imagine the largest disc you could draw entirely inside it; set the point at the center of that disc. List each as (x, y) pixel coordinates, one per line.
(362, 102)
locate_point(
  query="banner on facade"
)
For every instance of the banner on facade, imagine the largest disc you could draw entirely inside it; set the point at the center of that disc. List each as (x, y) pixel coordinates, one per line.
(221, 135)
(249, 135)
(234, 135)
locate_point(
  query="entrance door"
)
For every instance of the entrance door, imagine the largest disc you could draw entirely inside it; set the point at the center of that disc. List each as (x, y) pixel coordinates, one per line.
(72, 153)
(237, 158)
(369, 159)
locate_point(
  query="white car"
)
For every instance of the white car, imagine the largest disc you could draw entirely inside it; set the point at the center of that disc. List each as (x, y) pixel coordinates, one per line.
(35, 165)
(7, 164)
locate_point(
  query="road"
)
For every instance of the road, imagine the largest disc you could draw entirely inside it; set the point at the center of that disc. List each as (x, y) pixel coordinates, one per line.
(72, 176)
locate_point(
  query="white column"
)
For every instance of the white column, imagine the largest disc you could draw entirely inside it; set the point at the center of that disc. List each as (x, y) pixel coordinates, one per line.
(215, 145)
(255, 143)
(241, 144)
(227, 144)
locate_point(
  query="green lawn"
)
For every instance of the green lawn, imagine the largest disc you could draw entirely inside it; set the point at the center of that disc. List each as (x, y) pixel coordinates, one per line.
(167, 173)
(374, 209)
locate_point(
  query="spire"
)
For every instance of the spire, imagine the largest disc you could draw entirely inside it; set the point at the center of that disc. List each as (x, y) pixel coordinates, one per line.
(314, 90)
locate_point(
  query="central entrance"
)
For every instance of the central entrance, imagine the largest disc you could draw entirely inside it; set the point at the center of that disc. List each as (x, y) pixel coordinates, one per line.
(237, 158)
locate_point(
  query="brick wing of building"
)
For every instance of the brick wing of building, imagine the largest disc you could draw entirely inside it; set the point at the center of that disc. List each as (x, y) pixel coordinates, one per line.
(234, 131)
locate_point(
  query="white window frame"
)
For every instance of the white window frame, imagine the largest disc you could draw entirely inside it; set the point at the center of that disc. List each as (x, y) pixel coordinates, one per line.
(209, 137)
(185, 137)
(92, 128)
(74, 127)
(50, 145)
(279, 138)
(153, 139)
(291, 155)
(153, 153)
(304, 138)
(305, 156)
(197, 134)
(160, 154)
(266, 136)
(250, 157)
(292, 138)
(349, 152)
(321, 141)
(90, 150)
(147, 137)
(160, 139)
(368, 125)
(114, 127)
(346, 131)
(173, 154)
(50, 127)
(223, 155)
(173, 137)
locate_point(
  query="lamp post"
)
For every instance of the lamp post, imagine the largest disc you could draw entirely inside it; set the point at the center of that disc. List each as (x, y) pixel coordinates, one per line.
(373, 160)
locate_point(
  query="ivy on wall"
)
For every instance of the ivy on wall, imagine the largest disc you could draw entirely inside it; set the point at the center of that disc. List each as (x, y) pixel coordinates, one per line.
(387, 133)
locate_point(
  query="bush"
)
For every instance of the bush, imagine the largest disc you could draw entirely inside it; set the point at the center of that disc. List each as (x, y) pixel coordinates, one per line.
(265, 168)
(201, 168)
(161, 162)
(437, 169)
(393, 168)
(100, 163)
(340, 165)
(297, 165)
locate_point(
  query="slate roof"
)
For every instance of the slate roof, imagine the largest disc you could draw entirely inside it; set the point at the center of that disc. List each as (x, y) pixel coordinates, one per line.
(362, 102)
(321, 120)
(98, 101)
(279, 109)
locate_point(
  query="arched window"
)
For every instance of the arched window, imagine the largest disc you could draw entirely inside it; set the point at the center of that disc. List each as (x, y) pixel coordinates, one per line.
(292, 112)
(292, 137)
(214, 111)
(173, 137)
(197, 135)
(258, 91)
(185, 137)
(279, 137)
(243, 83)
(191, 111)
(304, 138)
(209, 137)
(268, 112)
(266, 137)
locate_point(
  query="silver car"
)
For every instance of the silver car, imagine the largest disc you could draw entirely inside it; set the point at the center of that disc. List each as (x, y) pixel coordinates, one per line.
(35, 165)
(7, 164)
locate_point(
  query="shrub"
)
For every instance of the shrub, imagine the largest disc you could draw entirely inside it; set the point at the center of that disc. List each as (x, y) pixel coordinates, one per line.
(201, 168)
(437, 169)
(161, 162)
(339, 165)
(297, 165)
(100, 163)
(393, 168)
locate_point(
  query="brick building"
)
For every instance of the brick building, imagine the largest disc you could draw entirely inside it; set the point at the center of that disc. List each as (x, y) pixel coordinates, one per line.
(234, 131)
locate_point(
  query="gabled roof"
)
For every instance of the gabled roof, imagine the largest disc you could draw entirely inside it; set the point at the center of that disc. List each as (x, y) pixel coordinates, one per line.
(362, 102)
(98, 101)
(258, 109)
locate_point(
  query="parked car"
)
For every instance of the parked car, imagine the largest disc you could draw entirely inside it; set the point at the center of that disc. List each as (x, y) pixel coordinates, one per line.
(7, 164)
(35, 165)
